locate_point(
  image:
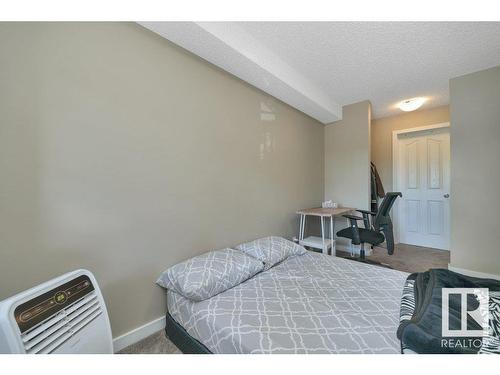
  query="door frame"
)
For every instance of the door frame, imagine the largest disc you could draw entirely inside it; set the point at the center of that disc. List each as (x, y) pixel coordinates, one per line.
(395, 166)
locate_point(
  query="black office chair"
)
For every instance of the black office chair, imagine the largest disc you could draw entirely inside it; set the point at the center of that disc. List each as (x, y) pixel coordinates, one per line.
(375, 231)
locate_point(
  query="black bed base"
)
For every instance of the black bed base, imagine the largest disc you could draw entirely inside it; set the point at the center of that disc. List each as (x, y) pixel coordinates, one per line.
(183, 340)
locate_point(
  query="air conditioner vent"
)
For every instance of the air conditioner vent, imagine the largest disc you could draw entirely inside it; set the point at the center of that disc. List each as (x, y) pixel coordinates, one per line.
(55, 330)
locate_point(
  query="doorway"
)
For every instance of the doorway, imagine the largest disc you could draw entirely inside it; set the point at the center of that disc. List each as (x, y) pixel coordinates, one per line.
(421, 170)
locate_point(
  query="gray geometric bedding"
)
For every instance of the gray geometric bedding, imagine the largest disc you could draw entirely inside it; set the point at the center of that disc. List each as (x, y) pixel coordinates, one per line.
(312, 303)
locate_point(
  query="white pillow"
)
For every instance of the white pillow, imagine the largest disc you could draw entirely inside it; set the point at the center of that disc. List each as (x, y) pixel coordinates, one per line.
(271, 250)
(209, 274)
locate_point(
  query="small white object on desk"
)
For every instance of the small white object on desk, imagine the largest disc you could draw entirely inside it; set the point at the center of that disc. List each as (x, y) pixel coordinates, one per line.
(329, 204)
(322, 242)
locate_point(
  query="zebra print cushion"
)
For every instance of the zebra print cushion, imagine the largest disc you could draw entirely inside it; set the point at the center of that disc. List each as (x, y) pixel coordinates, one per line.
(407, 307)
(407, 301)
(491, 343)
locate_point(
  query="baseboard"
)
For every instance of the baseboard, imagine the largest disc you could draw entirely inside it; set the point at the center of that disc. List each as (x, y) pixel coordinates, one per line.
(355, 249)
(472, 273)
(137, 334)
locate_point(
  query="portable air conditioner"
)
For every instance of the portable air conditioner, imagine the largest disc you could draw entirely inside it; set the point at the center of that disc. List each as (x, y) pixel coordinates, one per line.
(63, 315)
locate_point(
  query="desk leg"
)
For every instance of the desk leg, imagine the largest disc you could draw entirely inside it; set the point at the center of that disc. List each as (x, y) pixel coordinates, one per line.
(332, 236)
(325, 250)
(303, 226)
(300, 228)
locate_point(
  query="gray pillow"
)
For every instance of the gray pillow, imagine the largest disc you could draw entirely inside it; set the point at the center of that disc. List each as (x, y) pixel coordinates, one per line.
(209, 274)
(271, 250)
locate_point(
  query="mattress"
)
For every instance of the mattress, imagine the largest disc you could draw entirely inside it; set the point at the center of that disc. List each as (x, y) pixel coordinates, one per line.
(312, 303)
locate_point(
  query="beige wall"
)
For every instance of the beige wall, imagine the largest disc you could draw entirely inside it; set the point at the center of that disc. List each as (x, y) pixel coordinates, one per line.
(124, 154)
(475, 171)
(347, 157)
(381, 136)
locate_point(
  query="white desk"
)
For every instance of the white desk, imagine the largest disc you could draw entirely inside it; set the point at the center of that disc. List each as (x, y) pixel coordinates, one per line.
(322, 242)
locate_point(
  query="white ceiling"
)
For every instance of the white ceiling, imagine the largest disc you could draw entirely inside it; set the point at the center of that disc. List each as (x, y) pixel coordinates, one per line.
(317, 67)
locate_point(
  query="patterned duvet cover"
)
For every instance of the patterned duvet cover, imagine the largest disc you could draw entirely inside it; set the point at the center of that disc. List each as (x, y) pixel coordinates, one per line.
(312, 303)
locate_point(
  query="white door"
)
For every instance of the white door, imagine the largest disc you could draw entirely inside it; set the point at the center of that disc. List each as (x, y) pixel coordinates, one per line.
(424, 179)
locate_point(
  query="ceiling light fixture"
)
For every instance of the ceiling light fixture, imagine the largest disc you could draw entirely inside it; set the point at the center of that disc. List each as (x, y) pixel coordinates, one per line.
(412, 104)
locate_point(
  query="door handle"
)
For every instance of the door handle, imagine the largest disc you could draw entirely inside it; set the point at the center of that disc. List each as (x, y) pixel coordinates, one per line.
(446, 195)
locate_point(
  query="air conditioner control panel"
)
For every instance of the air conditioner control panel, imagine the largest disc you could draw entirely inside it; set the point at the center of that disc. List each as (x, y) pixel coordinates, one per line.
(36, 310)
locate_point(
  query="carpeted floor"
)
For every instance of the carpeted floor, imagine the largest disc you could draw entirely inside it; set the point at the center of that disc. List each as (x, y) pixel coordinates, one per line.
(154, 344)
(405, 258)
(409, 258)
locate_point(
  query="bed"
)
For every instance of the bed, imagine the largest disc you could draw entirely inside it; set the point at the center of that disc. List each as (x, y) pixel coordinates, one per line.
(312, 303)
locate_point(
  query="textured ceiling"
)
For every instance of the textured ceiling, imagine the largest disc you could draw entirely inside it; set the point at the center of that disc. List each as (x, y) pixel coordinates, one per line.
(340, 63)
(233, 49)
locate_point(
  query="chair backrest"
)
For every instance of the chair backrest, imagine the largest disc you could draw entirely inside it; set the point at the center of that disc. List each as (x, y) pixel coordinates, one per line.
(382, 218)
